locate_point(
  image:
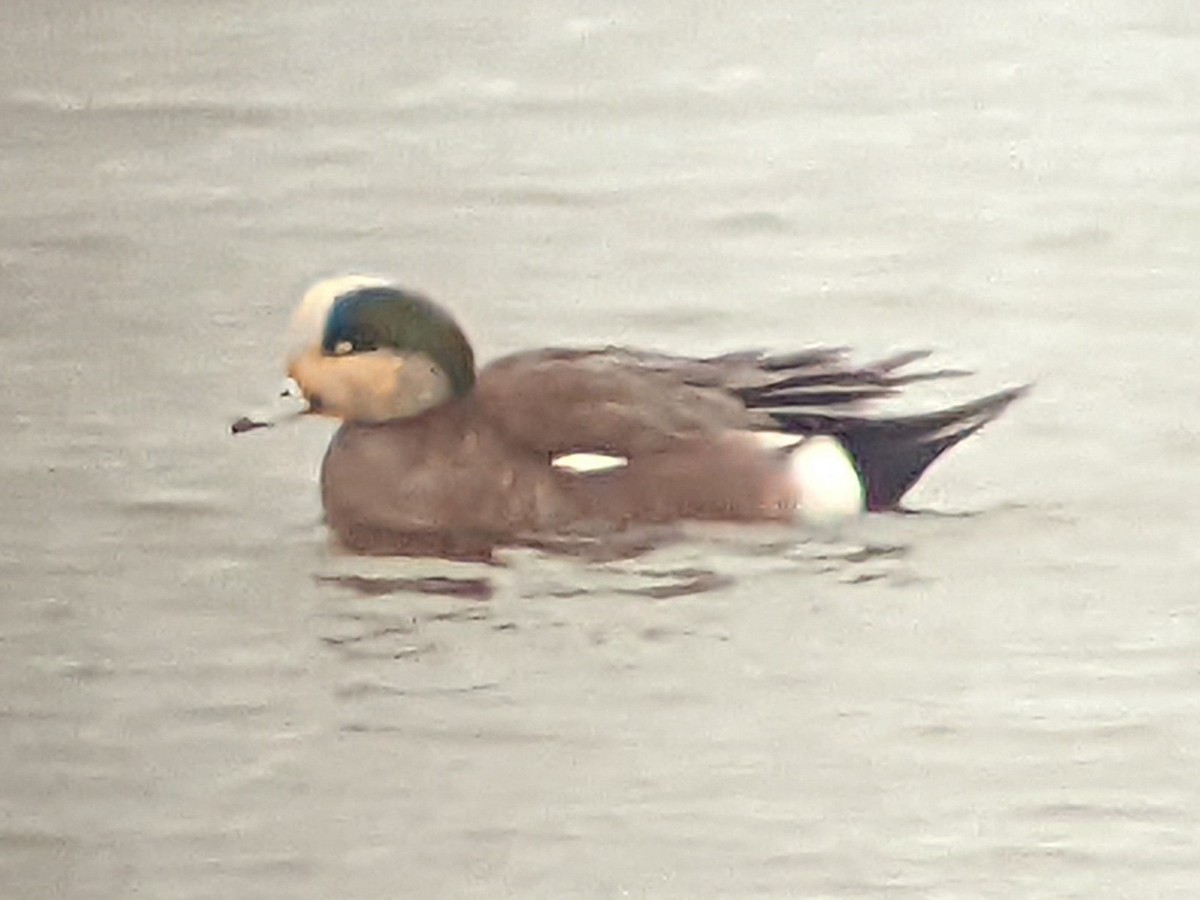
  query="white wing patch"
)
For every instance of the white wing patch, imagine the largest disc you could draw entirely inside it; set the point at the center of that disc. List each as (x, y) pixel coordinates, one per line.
(589, 463)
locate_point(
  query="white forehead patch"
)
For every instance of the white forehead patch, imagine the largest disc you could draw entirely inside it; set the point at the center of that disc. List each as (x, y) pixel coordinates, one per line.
(308, 321)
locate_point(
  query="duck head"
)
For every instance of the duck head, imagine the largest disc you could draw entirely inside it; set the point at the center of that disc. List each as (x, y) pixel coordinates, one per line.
(365, 351)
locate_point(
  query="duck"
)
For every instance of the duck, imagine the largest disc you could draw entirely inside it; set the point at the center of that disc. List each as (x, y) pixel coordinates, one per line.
(437, 456)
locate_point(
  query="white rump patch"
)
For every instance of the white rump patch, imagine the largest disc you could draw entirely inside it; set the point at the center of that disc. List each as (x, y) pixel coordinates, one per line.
(589, 463)
(828, 489)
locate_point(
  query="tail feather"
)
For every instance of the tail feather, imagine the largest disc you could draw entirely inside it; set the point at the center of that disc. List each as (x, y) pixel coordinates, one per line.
(823, 378)
(892, 453)
(821, 390)
(835, 387)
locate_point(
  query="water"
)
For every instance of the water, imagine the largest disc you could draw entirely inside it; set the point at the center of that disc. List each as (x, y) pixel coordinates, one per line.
(995, 697)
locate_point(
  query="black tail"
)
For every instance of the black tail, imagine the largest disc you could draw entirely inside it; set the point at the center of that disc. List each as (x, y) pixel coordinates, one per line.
(821, 391)
(892, 453)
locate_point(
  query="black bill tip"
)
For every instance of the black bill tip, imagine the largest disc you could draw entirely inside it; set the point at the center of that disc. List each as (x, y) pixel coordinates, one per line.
(245, 423)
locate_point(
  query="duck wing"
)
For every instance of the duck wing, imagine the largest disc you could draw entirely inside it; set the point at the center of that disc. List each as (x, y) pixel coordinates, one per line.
(623, 401)
(610, 400)
(626, 402)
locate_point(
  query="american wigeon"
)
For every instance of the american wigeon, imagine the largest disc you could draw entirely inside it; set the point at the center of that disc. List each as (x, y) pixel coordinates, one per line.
(436, 456)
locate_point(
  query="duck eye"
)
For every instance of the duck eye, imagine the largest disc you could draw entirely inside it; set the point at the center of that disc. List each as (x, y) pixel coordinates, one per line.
(341, 348)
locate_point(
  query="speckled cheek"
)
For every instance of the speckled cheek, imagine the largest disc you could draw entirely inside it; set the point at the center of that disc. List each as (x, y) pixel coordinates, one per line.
(418, 384)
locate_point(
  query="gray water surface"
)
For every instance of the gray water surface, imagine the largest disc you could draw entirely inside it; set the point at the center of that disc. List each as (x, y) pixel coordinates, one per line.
(995, 697)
